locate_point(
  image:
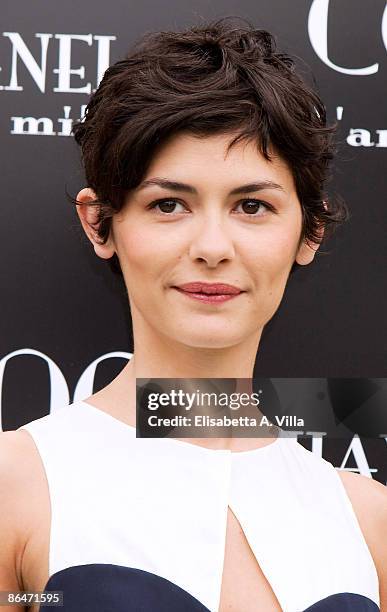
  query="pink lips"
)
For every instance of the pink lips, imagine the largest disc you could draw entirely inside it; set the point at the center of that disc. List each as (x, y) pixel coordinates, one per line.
(210, 293)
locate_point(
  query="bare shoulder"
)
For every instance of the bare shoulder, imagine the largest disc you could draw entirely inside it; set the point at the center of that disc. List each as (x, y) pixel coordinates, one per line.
(368, 496)
(19, 473)
(369, 501)
(19, 467)
(19, 461)
(16, 449)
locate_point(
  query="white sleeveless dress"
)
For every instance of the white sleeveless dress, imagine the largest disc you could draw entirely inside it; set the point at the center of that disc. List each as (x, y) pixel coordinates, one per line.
(140, 524)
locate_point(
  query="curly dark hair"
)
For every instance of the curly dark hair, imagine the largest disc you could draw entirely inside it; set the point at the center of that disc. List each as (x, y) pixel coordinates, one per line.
(219, 77)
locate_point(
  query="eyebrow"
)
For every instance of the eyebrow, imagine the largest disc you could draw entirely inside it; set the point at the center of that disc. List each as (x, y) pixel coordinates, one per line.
(176, 186)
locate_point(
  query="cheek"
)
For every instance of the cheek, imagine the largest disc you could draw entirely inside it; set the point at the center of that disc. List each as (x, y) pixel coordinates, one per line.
(146, 257)
(272, 255)
(136, 251)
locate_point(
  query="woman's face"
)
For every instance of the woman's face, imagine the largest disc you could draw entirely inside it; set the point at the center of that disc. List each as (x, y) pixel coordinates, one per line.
(210, 229)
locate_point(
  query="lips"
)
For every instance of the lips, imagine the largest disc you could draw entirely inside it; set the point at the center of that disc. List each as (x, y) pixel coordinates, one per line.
(209, 288)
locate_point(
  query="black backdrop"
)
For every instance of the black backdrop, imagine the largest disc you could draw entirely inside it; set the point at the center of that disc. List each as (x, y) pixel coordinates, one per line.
(63, 310)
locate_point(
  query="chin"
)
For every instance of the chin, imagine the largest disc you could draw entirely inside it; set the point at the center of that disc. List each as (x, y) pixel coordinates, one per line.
(210, 340)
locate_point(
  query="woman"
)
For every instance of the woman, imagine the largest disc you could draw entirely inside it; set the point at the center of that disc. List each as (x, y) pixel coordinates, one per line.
(206, 158)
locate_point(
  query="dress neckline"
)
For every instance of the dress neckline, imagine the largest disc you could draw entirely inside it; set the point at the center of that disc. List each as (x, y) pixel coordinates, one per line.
(281, 437)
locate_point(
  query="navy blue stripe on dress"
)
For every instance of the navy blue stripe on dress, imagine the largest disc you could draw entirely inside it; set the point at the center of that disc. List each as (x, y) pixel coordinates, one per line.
(101, 587)
(344, 602)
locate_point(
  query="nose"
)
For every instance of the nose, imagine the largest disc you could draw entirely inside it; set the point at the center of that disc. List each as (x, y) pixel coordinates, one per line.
(211, 240)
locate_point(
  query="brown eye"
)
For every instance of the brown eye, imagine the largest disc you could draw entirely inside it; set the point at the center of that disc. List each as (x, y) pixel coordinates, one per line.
(252, 207)
(165, 206)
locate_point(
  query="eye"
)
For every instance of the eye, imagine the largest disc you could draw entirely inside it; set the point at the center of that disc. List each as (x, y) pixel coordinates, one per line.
(251, 207)
(166, 206)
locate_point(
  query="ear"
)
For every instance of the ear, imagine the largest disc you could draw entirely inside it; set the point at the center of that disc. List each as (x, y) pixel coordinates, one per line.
(88, 215)
(307, 251)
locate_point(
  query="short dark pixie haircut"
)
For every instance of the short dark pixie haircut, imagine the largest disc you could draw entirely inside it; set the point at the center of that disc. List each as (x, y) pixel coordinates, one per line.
(221, 77)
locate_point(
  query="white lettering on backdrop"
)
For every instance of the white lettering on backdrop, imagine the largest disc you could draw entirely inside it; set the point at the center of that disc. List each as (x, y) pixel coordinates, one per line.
(318, 35)
(64, 69)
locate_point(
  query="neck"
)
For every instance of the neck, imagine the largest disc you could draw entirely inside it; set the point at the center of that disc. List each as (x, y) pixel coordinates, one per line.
(162, 358)
(158, 357)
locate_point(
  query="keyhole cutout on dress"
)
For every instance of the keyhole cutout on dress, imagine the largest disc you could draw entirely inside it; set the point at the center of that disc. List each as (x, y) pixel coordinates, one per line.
(244, 585)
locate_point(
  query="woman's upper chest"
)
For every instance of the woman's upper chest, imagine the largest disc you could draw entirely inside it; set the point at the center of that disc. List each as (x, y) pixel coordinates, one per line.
(243, 585)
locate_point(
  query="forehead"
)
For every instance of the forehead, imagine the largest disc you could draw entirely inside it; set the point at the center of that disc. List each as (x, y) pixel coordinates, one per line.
(207, 158)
